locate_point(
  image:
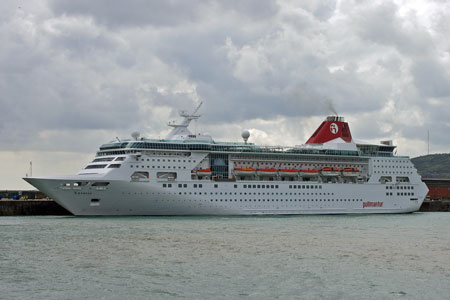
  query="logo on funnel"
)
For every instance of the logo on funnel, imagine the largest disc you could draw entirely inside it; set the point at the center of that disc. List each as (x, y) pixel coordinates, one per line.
(334, 128)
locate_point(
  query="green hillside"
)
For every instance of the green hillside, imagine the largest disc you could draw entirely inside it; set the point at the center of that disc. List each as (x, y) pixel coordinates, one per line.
(433, 165)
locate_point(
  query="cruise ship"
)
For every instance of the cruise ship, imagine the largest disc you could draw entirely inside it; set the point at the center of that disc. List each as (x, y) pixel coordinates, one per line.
(192, 174)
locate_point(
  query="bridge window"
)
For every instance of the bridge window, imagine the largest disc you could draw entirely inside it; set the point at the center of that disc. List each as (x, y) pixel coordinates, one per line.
(95, 167)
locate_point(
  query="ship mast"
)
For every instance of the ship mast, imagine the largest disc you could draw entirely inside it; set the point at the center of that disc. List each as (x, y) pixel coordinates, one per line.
(180, 130)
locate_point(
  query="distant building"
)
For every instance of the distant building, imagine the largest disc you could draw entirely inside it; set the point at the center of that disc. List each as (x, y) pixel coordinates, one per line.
(439, 188)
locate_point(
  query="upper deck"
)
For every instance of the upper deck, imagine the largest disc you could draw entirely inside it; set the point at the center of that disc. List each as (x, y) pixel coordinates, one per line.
(130, 146)
(333, 137)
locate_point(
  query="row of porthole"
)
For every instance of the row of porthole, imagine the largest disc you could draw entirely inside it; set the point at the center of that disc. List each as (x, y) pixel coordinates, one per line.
(392, 161)
(390, 187)
(286, 200)
(400, 194)
(179, 160)
(391, 172)
(259, 194)
(159, 167)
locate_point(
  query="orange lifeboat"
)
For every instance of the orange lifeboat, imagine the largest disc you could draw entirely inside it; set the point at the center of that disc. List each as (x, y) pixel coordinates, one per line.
(309, 173)
(288, 172)
(266, 172)
(331, 171)
(351, 172)
(244, 171)
(204, 172)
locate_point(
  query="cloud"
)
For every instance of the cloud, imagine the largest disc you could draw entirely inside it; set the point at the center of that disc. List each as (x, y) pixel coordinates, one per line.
(76, 74)
(159, 13)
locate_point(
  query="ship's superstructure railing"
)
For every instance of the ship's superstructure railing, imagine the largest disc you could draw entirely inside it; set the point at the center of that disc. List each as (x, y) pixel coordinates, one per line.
(155, 144)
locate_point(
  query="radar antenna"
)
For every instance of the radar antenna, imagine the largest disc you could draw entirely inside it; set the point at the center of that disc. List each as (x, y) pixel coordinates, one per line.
(192, 116)
(180, 129)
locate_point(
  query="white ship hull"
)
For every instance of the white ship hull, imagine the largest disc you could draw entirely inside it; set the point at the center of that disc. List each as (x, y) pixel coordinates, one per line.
(144, 198)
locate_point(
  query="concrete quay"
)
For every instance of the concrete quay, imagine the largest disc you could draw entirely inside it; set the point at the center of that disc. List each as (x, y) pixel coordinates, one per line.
(435, 205)
(40, 207)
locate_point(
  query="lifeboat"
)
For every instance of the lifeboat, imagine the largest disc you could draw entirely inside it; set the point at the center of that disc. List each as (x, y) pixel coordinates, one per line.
(204, 172)
(309, 173)
(288, 172)
(351, 172)
(331, 171)
(244, 171)
(266, 172)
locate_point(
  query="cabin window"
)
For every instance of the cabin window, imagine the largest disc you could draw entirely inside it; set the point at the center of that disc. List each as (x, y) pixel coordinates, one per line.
(114, 166)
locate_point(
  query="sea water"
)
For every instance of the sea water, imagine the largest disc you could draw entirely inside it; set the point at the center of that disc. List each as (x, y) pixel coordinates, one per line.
(298, 257)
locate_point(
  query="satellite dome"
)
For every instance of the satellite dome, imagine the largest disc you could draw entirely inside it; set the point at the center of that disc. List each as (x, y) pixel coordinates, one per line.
(245, 135)
(135, 135)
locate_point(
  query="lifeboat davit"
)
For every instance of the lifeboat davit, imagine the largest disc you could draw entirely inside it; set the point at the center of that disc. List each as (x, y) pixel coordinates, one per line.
(309, 173)
(244, 171)
(204, 172)
(266, 172)
(351, 172)
(331, 171)
(288, 172)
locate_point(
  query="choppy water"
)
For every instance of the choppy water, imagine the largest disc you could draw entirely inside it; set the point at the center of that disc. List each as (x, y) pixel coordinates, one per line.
(301, 257)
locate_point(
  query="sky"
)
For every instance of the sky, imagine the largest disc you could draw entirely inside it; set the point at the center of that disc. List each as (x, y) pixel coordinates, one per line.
(77, 74)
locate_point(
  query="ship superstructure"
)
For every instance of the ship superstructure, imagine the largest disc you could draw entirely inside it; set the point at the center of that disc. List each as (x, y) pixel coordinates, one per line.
(191, 174)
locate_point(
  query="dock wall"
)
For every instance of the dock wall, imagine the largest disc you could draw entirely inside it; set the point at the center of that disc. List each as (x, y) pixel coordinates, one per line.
(40, 207)
(436, 205)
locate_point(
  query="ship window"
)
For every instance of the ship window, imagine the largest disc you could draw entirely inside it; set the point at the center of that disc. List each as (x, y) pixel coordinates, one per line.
(165, 175)
(169, 185)
(200, 186)
(195, 185)
(95, 167)
(114, 166)
(245, 186)
(235, 186)
(185, 185)
(180, 185)
(103, 159)
(139, 175)
(216, 186)
(164, 185)
(101, 183)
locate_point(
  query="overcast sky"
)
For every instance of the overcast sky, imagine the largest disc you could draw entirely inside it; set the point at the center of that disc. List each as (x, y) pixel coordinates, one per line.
(76, 74)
